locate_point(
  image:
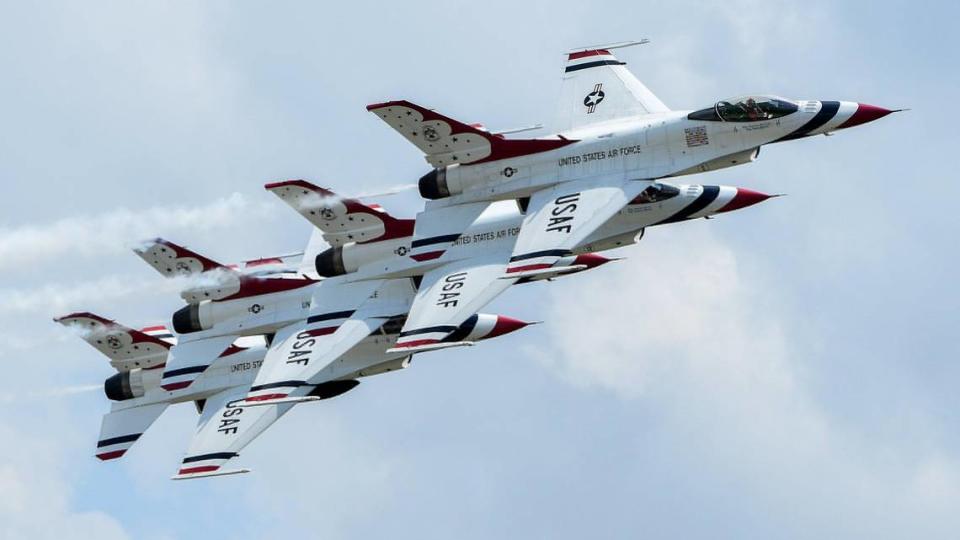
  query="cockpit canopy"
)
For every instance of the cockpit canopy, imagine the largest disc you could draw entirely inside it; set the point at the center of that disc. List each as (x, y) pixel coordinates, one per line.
(655, 193)
(746, 109)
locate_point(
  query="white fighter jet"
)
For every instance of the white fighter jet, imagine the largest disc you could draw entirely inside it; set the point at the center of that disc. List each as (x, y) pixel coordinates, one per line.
(616, 143)
(455, 273)
(614, 137)
(225, 425)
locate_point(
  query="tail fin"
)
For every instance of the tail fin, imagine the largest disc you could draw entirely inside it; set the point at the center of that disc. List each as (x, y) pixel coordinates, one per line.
(341, 220)
(120, 429)
(172, 260)
(446, 141)
(597, 87)
(315, 245)
(160, 332)
(125, 347)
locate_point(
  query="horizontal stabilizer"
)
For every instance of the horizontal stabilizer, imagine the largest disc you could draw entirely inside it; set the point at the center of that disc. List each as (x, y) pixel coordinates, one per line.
(342, 220)
(446, 141)
(125, 347)
(173, 260)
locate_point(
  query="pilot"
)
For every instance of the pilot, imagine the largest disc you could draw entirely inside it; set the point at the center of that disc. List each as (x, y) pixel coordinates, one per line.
(648, 195)
(753, 111)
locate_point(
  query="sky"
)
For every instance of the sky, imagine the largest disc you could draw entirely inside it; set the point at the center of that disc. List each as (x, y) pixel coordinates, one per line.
(787, 371)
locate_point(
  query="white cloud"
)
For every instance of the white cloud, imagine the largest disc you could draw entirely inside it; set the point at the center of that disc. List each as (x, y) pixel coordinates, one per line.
(58, 298)
(683, 334)
(35, 498)
(115, 231)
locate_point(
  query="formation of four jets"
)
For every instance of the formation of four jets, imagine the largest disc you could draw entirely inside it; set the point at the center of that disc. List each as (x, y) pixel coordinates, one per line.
(259, 337)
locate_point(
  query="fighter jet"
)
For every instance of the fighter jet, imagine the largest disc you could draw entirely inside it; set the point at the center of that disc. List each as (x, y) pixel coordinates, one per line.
(453, 281)
(225, 425)
(614, 138)
(223, 303)
(616, 143)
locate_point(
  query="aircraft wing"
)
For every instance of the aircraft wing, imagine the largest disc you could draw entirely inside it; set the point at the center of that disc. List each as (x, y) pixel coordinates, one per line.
(225, 427)
(123, 427)
(561, 217)
(341, 315)
(448, 296)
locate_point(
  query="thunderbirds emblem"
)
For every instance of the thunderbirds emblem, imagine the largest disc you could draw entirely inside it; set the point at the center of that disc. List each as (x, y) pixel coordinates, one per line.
(114, 342)
(430, 134)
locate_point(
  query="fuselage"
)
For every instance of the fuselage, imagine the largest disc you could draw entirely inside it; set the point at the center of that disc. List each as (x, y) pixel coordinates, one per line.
(497, 227)
(239, 365)
(650, 146)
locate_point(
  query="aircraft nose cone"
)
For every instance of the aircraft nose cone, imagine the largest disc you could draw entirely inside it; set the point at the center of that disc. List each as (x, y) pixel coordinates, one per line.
(505, 325)
(865, 113)
(591, 260)
(744, 198)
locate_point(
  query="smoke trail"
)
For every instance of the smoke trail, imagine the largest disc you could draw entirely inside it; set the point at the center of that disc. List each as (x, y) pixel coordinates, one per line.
(52, 393)
(114, 231)
(54, 298)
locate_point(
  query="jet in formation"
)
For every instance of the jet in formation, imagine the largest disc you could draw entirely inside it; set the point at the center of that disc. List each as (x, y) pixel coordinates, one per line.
(371, 290)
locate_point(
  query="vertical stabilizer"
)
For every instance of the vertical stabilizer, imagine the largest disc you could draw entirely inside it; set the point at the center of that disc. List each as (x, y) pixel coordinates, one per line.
(597, 87)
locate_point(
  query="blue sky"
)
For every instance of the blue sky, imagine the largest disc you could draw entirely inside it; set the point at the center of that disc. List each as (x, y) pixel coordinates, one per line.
(788, 370)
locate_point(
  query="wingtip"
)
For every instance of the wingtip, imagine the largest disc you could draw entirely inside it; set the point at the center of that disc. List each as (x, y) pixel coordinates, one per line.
(144, 245)
(392, 103)
(281, 401)
(63, 318)
(429, 347)
(299, 182)
(190, 476)
(380, 105)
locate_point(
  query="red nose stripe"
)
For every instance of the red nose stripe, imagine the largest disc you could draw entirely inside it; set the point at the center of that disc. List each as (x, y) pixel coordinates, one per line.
(744, 198)
(505, 325)
(865, 113)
